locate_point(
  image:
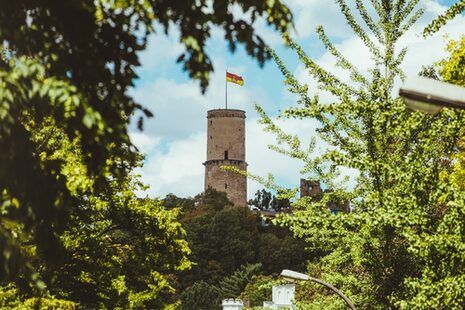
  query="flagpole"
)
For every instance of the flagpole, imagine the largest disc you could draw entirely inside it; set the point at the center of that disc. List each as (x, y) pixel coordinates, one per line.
(226, 82)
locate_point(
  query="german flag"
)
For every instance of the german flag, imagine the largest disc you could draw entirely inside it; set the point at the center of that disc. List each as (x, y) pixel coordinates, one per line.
(233, 78)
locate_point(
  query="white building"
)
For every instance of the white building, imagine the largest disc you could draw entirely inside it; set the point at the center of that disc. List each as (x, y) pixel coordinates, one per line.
(232, 304)
(282, 296)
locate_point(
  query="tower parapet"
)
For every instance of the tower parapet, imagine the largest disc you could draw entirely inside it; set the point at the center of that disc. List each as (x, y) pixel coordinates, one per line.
(226, 147)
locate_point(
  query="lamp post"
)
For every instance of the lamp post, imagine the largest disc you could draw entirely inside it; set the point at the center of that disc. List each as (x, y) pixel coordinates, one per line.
(430, 96)
(293, 275)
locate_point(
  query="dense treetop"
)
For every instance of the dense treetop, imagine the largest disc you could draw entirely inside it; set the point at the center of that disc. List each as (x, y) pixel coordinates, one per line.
(69, 65)
(400, 247)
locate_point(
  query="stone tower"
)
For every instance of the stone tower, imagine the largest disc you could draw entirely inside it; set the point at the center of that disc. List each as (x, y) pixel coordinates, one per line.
(226, 147)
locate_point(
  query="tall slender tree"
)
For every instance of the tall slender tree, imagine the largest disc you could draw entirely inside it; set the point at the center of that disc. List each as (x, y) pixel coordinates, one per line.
(440, 249)
(399, 197)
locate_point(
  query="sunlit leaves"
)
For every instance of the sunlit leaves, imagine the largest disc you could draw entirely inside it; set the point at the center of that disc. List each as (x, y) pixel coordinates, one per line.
(442, 19)
(103, 215)
(452, 69)
(385, 253)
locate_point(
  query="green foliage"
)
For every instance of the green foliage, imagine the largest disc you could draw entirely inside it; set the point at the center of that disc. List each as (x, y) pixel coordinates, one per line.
(171, 201)
(34, 192)
(117, 250)
(11, 300)
(258, 290)
(400, 247)
(452, 69)
(224, 239)
(192, 16)
(201, 296)
(429, 72)
(440, 249)
(116, 30)
(213, 200)
(221, 242)
(73, 62)
(139, 244)
(278, 249)
(264, 200)
(442, 19)
(232, 286)
(34, 89)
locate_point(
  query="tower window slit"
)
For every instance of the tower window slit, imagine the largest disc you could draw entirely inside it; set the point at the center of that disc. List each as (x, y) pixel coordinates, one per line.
(226, 155)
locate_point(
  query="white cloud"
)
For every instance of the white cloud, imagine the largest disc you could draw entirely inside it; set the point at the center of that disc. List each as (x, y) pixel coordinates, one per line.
(144, 142)
(311, 13)
(267, 33)
(175, 138)
(426, 51)
(162, 49)
(353, 50)
(263, 160)
(421, 51)
(179, 170)
(180, 109)
(432, 8)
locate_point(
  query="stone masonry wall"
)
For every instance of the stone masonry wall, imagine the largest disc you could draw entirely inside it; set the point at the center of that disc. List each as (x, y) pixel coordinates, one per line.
(226, 147)
(233, 184)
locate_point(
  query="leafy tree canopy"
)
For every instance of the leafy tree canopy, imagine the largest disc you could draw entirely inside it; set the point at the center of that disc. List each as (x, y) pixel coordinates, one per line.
(224, 238)
(72, 63)
(117, 250)
(440, 249)
(265, 200)
(454, 10)
(400, 248)
(11, 300)
(202, 296)
(451, 68)
(258, 290)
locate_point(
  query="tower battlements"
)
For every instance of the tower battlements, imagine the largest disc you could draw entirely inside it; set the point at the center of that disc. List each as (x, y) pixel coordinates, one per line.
(226, 147)
(226, 113)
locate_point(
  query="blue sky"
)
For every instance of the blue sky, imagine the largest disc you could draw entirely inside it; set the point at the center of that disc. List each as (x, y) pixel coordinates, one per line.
(174, 140)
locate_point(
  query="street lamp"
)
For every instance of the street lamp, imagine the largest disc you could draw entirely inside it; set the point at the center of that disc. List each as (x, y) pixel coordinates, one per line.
(294, 275)
(430, 96)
